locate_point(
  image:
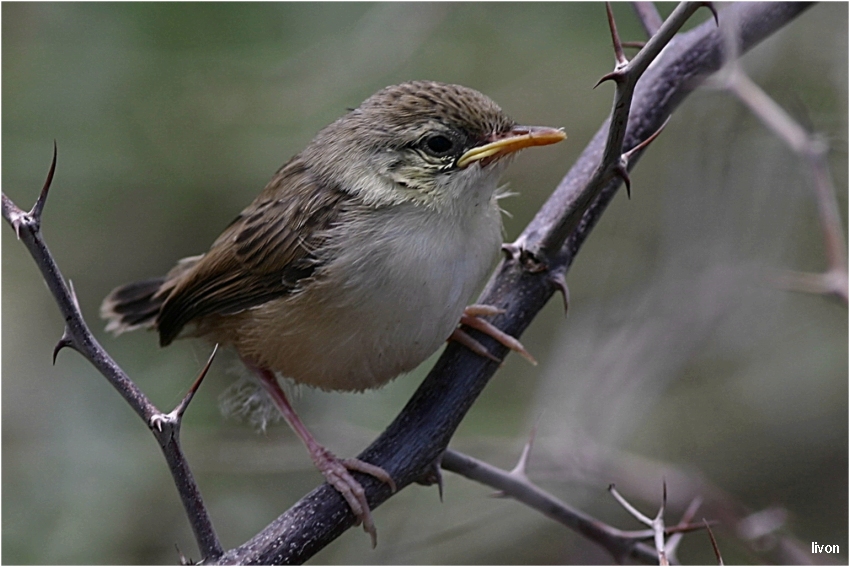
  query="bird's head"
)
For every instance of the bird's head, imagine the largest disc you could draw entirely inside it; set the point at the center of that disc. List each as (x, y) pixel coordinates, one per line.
(424, 142)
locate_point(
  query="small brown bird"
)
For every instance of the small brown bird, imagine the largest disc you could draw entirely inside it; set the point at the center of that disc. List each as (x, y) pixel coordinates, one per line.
(358, 259)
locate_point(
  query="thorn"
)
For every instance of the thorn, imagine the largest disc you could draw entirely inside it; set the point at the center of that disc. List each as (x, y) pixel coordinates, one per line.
(710, 6)
(713, 542)
(42, 198)
(643, 145)
(433, 475)
(615, 37)
(558, 280)
(622, 168)
(691, 510)
(519, 470)
(616, 76)
(677, 532)
(522, 464)
(621, 172)
(157, 420)
(682, 528)
(437, 478)
(65, 341)
(184, 403)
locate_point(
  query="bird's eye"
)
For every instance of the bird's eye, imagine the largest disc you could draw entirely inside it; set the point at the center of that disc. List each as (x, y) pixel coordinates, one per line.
(438, 145)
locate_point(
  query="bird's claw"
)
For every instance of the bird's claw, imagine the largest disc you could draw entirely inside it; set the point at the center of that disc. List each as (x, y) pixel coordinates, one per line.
(335, 471)
(472, 318)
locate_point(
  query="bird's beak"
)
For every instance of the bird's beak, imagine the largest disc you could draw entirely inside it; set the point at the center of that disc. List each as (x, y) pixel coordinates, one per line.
(515, 139)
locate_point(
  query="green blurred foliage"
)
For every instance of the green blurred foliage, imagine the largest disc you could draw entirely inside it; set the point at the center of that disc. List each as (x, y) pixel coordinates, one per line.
(679, 359)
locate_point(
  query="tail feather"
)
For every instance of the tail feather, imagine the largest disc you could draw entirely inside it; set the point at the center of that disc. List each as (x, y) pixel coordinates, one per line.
(136, 305)
(133, 306)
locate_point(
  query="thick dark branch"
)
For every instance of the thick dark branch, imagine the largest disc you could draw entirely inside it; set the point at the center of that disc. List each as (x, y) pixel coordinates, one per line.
(414, 442)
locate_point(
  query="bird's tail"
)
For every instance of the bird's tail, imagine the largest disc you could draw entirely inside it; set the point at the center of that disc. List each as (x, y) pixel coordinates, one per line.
(133, 306)
(136, 305)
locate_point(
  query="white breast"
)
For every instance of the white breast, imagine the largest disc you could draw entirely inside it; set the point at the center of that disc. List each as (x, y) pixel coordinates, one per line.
(392, 296)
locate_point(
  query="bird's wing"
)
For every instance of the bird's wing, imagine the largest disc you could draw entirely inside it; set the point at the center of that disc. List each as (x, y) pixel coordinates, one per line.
(262, 255)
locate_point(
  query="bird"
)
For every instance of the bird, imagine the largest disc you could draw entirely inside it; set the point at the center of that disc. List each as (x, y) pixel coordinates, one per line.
(358, 259)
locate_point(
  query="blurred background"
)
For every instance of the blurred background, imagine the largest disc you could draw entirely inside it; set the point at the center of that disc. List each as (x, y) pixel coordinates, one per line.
(681, 358)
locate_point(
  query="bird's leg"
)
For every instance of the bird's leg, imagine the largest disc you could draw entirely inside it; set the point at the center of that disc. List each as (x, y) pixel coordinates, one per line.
(472, 318)
(334, 469)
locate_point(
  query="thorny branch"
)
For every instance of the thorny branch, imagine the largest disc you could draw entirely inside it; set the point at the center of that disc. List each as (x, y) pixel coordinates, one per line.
(78, 336)
(622, 544)
(615, 162)
(410, 449)
(415, 441)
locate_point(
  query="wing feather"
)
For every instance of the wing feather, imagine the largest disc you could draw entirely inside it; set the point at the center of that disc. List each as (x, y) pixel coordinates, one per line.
(263, 254)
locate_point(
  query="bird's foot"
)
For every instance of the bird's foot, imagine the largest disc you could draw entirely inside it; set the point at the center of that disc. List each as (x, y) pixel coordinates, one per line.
(335, 471)
(472, 318)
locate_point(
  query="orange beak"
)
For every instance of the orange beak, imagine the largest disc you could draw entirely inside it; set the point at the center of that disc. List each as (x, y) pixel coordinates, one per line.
(517, 138)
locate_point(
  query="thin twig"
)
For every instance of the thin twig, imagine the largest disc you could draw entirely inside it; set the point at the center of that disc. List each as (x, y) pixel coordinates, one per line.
(611, 165)
(78, 336)
(620, 544)
(814, 152)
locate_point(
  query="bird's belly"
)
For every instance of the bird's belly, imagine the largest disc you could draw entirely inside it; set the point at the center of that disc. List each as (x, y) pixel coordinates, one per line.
(359, 349)
(390, 312)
